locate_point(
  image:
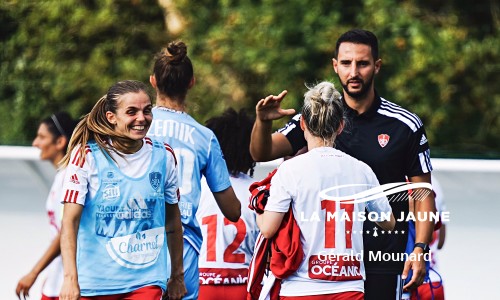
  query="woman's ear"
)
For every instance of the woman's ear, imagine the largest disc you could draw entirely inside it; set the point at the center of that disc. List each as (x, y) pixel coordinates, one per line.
(302, 124)
(192, 82)
(152, 80)
(61, 142)
(341, 127)
(111, 118)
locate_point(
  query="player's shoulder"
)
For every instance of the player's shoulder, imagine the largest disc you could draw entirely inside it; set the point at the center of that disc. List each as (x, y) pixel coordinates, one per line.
(346, 158)
(397, 112)
(198, 129)
(293, 124)
(351, 162)
(297, 162)
(162, 146)
(76, 157)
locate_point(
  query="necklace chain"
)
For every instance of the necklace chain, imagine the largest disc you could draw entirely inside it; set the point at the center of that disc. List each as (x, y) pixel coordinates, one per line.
(170, 110)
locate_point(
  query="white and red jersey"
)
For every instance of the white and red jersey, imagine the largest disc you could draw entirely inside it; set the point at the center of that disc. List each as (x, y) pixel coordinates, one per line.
(53, 282)
(82, 174)
(331, 231)
(122, 224)
(440, 208)
(227, 246)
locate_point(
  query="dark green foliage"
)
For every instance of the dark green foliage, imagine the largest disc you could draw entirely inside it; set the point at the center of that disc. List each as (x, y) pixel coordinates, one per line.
(440, 58)
(64, 54)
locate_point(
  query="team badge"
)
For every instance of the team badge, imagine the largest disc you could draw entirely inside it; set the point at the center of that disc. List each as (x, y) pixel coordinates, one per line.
(155, 180)
(383, 139)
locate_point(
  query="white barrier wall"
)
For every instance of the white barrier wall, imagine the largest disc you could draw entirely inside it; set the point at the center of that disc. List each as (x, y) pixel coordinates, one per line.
(467, 260)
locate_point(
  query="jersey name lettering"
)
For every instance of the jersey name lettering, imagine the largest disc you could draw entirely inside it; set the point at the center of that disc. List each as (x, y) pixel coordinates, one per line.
(173, 129)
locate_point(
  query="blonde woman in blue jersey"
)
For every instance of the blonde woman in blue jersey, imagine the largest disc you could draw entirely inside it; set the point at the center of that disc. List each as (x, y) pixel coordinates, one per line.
(196, 148)
(120, 204)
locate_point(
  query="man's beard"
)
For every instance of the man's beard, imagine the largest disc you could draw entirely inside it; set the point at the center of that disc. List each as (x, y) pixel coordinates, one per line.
(365, 87)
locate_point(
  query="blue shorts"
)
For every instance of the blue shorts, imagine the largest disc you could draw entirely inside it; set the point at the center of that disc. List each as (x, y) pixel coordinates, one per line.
(191, 272)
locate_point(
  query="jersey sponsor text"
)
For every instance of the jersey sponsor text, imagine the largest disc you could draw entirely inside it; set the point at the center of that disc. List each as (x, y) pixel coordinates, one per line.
(219, 276)
(334, 267)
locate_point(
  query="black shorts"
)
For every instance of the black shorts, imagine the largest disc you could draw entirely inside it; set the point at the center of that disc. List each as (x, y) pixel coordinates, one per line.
(383, 287)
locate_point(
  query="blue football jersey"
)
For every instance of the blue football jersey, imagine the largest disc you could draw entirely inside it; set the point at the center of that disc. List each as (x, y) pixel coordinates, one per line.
(198, 154)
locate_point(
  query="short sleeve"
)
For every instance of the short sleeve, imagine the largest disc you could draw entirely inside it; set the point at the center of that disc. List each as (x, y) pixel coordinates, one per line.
(294, 133)
(279, 195)
(76, 178)
(216, 171)
(418, 160)
(172, 194)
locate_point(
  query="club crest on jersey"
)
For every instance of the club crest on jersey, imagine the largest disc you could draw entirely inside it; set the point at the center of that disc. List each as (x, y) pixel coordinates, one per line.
(155, 180)
(383, 139)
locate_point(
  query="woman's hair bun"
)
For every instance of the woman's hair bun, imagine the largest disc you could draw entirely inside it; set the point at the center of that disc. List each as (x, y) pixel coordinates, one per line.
(177, 51)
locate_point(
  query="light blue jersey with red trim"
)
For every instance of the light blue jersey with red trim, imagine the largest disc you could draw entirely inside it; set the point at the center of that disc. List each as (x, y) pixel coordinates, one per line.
(122, 228)
(198, 154)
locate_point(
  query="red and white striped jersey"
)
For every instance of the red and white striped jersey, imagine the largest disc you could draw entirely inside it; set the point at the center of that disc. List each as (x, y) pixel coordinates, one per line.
(227, 246)
(82, 173)
(54, 271)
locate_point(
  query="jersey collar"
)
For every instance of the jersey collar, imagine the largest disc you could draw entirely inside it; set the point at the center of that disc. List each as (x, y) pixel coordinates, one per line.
(367, 114)
(170, 110)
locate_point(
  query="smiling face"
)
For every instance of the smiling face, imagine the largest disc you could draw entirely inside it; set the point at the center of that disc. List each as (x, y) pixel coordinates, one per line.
(51, 148)
(133, 116)
(356, 69)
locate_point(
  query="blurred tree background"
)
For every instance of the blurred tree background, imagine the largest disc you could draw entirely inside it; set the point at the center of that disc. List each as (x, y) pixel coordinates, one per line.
(440, 57)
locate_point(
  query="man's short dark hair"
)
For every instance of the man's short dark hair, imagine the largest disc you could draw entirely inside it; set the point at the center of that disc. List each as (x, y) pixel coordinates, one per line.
(359, 36)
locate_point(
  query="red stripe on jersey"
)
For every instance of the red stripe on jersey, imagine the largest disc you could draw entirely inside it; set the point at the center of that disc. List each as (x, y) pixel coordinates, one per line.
(76, 158)
(169, 149)
(148, 141)
(74, 196)
(87, 151)
(81, 161)
(70, 196)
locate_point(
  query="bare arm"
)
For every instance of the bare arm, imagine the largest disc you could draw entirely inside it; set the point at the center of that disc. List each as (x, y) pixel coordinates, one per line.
(424, 228)
(269, 222)
(70, 224)
(228, 204)
(264, 145)
(27, 281)
(173, 227)
(388, 224)
(423, 234)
